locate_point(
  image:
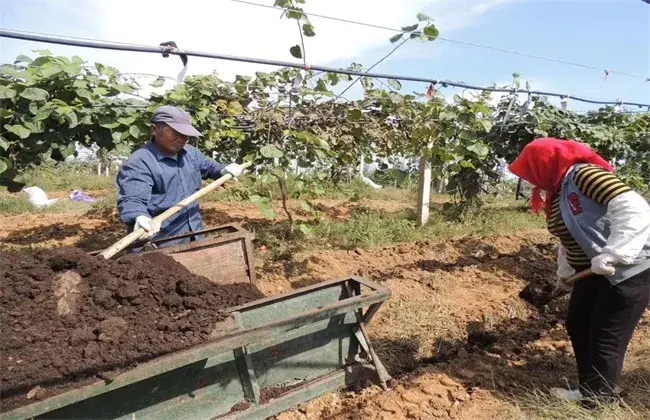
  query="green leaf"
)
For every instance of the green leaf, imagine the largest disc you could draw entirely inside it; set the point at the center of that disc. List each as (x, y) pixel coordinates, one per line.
(4, 143)
(305, 229)
(108, 122)
(3, 166)
(84, 93)
(333, 78)
(395, 84)
(43, 52)
(251, 157)
(35, 126)
(354, 114)
(126, 120)
(6, 113)
(23, 59)
(6, 92)
(33, 108)
(68, 150)
(306, 206)
(393, 39)
(72, 119)
(80, 84)
(296, 51)
(49, 70)
(271, 151)
(422, 17)
(134, 131)
(72, 69)
(410, 28)
(278, 172)
(209, 144)
(267, 211)
(159, 82)
(86, 120)
(34, 94)
(480, 149)
(124, 88)
(322, 144)
(18, 130)
(487, 125)
(100, 91)
(308, 29)
(43, 113)
(466, 164)
(431, 32)
(117, 136)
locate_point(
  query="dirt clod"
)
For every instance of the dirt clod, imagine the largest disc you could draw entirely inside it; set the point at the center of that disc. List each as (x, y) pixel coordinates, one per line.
(66, 290)
(462, 353)
(111, 329)
(35, 393)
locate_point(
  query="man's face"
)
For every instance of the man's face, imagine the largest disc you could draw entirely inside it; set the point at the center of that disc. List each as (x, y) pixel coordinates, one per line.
(168, 140)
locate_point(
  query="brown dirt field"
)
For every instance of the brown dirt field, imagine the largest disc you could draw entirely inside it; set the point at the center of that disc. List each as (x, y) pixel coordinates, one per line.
(68, 316)
(455, 335)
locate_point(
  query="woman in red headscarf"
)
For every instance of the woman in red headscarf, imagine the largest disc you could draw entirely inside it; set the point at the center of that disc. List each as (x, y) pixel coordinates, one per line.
(604, 226)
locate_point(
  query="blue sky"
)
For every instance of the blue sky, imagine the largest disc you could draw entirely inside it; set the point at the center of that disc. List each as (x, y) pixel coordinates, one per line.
(612, 34)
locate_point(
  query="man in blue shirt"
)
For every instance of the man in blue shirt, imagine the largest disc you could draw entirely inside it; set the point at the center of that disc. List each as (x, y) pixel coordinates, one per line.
(162, 173)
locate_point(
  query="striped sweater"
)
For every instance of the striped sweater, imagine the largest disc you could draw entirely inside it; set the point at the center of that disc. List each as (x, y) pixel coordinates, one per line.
(596, 183)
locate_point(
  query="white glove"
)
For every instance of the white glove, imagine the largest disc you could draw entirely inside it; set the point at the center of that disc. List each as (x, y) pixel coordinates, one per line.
(233, 169)
(603, 265)
(146, 223)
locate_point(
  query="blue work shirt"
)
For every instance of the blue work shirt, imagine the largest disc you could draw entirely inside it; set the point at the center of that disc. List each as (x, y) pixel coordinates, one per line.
(150, 182)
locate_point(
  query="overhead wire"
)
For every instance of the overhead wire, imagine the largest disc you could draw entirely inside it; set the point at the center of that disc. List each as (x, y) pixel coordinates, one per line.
(381, 60)
(90, 43)
(607, 70)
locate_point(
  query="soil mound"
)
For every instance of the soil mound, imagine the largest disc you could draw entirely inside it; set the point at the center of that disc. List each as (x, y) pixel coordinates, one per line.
(66, 316)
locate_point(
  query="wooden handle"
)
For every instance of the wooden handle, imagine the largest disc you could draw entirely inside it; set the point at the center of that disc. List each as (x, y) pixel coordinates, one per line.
(137, 233)
(581, 275)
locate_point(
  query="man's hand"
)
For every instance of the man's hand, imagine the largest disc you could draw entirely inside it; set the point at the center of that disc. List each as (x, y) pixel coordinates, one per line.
(146, 223)
(603, 265)
(233, 169)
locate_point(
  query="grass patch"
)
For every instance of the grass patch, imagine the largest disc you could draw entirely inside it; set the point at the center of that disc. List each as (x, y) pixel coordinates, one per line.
(354, 190)
(543, 406)
(65, 177)
(15, 204)
(370, 228)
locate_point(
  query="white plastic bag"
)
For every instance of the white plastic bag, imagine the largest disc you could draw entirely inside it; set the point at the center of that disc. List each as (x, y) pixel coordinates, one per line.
(37, 197)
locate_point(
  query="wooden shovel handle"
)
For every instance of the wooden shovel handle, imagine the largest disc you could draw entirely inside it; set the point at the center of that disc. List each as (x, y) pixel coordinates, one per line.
(137, 233)
(570, 281)
(581, 275)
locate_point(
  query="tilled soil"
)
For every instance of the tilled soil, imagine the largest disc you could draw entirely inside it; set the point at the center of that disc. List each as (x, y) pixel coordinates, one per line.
(455, 334)
(66, 316)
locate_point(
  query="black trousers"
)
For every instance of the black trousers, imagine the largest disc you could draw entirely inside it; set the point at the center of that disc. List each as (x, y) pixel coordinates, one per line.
(600, 323)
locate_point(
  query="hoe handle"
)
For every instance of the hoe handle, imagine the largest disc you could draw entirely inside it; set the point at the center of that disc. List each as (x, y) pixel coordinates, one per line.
(571, 280)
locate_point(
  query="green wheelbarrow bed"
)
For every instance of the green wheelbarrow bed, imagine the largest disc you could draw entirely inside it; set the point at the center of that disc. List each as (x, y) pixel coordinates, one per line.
(270, 355)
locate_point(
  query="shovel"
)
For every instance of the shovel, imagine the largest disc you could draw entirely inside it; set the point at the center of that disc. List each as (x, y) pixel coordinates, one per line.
(541, 296)
(137, 233)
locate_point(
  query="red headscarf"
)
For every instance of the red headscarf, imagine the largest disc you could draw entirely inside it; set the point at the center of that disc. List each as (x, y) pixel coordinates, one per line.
(544, 162)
